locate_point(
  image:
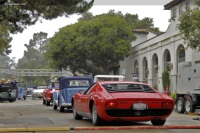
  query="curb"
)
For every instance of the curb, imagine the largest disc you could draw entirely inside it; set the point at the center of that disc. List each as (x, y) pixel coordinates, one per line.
(139, 127)
(31, 129)
(45, 129)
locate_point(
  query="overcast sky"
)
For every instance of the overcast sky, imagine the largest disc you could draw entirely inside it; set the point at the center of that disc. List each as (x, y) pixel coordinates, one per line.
(144, 8)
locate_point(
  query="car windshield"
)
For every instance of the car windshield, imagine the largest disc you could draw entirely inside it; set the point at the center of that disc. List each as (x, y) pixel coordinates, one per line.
(126, 87)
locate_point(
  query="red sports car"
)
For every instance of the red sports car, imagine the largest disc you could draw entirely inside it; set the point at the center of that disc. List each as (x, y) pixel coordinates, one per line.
(122, 101)
(47, 93)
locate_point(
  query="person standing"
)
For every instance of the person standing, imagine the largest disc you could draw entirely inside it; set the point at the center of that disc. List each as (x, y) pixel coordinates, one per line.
(14, 85)
(21, 87)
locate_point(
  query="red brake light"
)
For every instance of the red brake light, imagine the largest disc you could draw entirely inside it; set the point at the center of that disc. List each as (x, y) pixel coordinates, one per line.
(167, 105)
(111, 105)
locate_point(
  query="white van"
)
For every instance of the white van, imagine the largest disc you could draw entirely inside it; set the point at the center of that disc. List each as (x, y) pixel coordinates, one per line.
(108, 78)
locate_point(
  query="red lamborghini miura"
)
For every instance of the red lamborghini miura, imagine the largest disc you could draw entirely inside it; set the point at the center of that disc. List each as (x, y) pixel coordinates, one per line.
(122, 101)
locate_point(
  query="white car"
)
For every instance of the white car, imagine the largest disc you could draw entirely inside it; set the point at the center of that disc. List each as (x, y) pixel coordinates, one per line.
(37, 92)
(29, 91)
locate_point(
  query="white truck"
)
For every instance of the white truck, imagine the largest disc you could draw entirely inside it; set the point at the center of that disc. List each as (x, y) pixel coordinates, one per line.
(188, 87)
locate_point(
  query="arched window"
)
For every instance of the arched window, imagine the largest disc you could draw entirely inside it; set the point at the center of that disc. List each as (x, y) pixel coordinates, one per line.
(145, 69)
(155, 64)
(181, 54)
(136, 67)
(167, 60)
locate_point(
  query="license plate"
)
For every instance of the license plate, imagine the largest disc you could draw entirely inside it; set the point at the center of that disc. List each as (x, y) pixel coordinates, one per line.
(139, 106)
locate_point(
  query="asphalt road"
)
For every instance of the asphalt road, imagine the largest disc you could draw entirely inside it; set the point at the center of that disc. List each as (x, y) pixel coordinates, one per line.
(32, 116)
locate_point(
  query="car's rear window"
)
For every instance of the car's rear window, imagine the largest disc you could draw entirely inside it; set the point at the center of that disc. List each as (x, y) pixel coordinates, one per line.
(78, 82)
(126, 87)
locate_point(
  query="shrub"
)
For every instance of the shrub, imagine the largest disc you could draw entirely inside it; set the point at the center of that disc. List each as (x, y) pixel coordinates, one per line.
(165, 79)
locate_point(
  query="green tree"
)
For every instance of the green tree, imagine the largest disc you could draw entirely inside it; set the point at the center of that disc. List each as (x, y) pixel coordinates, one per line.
(86, 16)
(6, 63)
(5, 39)
(132, 19)
(189, 26)
(91, 46)
(16, 15)
(33, 57)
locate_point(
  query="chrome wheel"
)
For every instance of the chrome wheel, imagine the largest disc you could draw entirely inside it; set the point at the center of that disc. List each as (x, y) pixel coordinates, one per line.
(180, 108)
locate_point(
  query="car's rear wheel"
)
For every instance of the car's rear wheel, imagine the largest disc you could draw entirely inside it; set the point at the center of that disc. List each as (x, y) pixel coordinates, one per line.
(54, 106)
(44, 101)
(47, 103)
(96, 120)
(24, 97)
(61, 109)
(180, 108)
(158, 122)
(76, 115)
(11, 100)
(189, 107)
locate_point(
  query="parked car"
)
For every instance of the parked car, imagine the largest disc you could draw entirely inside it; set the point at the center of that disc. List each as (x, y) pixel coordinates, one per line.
(122, 101)
(7, 93)
(47, 93)
(37, 92)
(29, 90)
(69, 86)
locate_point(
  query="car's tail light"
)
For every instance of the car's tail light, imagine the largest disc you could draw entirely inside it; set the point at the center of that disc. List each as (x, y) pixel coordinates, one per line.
(111, 105)
(167, 105)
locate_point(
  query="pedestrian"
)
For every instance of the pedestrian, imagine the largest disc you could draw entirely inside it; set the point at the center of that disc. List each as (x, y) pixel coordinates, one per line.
(14, 85)
(21, 87)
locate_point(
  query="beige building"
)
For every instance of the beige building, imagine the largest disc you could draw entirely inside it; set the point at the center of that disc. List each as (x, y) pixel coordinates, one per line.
(152, 54)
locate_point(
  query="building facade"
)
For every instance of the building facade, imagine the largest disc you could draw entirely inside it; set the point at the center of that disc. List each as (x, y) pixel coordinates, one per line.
(153, 54)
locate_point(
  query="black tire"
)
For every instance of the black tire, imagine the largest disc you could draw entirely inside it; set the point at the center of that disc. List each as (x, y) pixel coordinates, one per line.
(158, 122)
(76, 115)
(180, 105)
(10, 100)
(44, 102)
(54, 106)
(61, 109)
(47, 103)
(189, 107)
(96, 120)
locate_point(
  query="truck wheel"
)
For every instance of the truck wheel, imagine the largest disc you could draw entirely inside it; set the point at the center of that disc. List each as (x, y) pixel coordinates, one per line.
(180, 108)
(189, 107)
